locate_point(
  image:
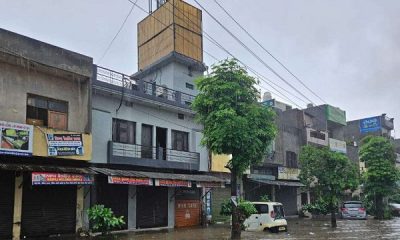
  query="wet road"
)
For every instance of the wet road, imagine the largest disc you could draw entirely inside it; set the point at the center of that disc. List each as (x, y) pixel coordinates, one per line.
(298, 229)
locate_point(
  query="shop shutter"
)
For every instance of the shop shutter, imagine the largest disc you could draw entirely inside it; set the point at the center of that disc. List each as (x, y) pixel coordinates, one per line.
(152, 207)
(6, 204)
(47, 210)
(187, 213)
(114, 196)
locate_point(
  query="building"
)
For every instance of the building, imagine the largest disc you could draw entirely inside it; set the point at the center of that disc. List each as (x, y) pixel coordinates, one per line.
(45, 135)
(146, 145)
(277, 176)
(356, 130)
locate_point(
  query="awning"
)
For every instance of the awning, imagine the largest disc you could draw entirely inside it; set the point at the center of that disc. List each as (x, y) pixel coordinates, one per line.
(158, 176)
(278, 183)
(44, 168)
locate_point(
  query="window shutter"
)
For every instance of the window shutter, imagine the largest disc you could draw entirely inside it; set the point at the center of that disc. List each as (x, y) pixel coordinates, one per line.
(58, 120)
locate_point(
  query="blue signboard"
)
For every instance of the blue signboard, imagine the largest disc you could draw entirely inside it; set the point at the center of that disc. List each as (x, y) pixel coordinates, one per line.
(370, 124)
(269, 103)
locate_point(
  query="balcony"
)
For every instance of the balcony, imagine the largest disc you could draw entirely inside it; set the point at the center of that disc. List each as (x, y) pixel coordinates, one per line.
(112, 82)
(317, 137)
(147, 156)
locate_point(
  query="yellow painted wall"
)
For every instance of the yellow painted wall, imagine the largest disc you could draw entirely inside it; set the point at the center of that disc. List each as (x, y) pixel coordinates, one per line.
(40, 144)
(219, 161)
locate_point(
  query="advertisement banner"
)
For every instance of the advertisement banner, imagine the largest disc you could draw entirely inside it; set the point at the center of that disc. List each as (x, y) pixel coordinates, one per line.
(210, 184)
(336, 115)
(288, 173)
(337, 145)
(44, 178)
(173, 183)
(16, 139)
(64, 144)
(130, 180)
(370, 124)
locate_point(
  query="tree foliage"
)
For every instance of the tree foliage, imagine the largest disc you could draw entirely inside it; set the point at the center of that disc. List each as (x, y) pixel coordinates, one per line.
(245, 209)
(234, 122)
(328, 173)
(381, 176)
(103, 220)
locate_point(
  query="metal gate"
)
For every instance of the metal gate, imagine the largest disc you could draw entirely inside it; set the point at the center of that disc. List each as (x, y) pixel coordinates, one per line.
(47, 210)
(152, 207)
(7, 182)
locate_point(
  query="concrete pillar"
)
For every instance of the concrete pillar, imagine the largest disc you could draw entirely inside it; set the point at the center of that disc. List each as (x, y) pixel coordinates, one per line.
(131, 207)
(79, 207)
(86, 206)
(308, 197)
(17, 207)
(171, 207)
(273, 193)
(298, 190)
(139, 133)
(169, 139)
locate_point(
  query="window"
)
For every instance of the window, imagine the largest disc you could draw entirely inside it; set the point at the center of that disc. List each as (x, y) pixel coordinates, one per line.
(181, 116)
(316, 134)
(190, 86)
(42, 111)
(180, 140)
(123, 131)
(291, 159)
(261, 208)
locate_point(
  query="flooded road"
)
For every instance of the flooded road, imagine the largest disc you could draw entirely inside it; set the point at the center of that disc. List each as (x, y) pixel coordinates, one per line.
(298, 229)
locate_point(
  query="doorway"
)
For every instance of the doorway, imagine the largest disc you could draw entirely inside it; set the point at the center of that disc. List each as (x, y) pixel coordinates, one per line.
(161, 143)
(147, 141)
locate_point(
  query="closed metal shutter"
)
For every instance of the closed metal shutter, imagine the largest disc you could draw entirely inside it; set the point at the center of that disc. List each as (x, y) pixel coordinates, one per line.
(114, 196)
(47, 210)
(7, 180)
(187, 213)
(152, 207)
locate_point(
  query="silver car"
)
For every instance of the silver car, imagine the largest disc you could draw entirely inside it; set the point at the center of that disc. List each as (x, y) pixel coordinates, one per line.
(353, 210)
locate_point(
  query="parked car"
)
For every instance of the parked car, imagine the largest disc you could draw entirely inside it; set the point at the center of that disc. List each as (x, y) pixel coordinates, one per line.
(353, 210)
(395, 208)
(270, 216)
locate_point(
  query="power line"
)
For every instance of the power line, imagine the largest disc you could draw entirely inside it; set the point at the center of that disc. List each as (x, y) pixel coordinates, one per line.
(218, 45)
(253, 53)
(119, 30)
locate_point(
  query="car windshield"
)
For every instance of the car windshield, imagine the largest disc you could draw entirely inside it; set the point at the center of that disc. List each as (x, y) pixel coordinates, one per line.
(353, 205)
(279, 213)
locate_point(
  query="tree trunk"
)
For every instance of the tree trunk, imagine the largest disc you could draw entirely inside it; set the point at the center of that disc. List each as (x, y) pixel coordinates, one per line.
(379, 207)
(236, 228)
(333, 216)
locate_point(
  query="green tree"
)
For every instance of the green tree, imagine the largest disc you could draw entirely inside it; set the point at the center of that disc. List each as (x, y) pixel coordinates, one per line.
(381, 176)
(102, 219)
(329, 174)
(234, 122)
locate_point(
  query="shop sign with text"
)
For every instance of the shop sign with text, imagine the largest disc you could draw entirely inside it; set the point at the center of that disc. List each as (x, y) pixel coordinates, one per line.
(288, 173)
(16, 139)
(130, 180)
(372, 124)
(43, 178)
(172, 183)
(65, 144)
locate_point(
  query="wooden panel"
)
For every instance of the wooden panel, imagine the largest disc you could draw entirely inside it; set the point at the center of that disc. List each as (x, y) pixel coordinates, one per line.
(188, 43)
(187, 16)
(156, 48)
(58, 120)
(187, 213)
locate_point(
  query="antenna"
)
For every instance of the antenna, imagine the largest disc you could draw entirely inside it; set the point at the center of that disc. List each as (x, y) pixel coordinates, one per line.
(150, 6)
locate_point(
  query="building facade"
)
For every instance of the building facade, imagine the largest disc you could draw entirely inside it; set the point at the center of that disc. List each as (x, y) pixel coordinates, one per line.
(46, 142)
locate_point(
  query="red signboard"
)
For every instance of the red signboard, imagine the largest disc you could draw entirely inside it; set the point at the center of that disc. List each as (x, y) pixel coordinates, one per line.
(173, 183)
(211, 184)
(44, 178)
(130, 180)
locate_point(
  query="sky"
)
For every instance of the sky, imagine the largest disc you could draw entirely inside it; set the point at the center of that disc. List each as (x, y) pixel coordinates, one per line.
(347, 51)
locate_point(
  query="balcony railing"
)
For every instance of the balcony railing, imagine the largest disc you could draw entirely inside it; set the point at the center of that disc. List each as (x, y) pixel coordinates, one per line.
(145, 89)
(317, 137)
(155, 153)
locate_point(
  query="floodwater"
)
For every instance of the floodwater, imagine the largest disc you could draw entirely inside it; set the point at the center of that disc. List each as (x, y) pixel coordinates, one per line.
(297, 229)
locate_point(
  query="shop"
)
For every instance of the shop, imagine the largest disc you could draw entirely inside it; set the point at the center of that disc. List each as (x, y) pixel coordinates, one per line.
(152, 207)
(188, 210)
(7, 185)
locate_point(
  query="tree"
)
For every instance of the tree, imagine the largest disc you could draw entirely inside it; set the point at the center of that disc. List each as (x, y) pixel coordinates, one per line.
(234, 122)
(329, 174)
(381, 175)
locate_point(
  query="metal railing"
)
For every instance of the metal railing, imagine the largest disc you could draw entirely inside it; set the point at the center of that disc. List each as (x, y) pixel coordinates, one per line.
(144, 88)
(158, 153)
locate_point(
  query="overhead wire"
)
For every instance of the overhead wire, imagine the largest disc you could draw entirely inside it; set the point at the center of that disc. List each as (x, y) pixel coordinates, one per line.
(268, 52)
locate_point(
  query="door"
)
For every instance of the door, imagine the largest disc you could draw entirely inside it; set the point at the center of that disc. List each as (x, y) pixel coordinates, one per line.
(147, 141)
(152, 207)
(47, 209)
(7, 183)
(161, 143)
(187, 213)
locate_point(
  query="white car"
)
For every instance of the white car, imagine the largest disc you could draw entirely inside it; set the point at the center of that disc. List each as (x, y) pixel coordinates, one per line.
(270, 216)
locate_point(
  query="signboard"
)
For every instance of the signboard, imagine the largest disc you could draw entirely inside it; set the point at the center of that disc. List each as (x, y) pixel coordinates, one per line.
(337, 145)
(208, 201)
(370, 124)
(211, 184)
(173, 183)
(288, 173)
(336, 115)
(269, 103)
(64, 144)
(44, 178)
(130, 180)
(16, 139)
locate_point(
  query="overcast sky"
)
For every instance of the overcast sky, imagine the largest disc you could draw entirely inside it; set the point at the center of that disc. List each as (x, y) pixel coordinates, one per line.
(347, 51)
